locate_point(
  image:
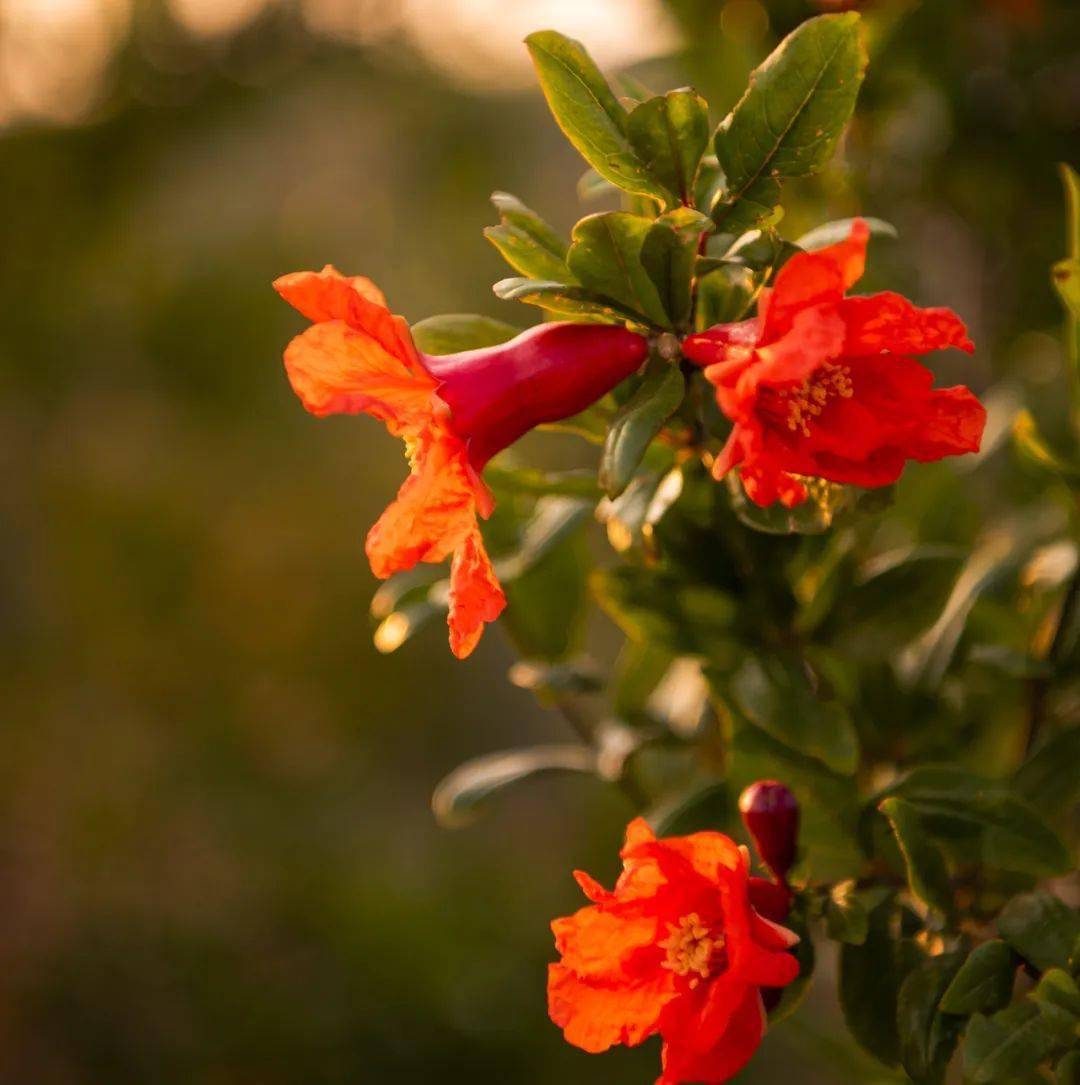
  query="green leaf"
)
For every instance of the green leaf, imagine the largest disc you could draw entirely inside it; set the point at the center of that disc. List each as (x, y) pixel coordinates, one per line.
(657, 607)
(531, 480)
(1067, 1071)
(552, 681)
(670, 134)
(668, 255)
(1049, 779)
(548, 602)
(552, 521)
(452, 332)
(1057, 988)
(792, 114)
(704, 808)
(829, 233)
(1013, 1042)
(638, 421)
(794, 994)
(927, 1035)
(590, 115)
(772, 693)
(606, 258)
(724, 294)
(871, 625)
(847, 919)
(1041, 928)
(985, 981)
(982, 820)
(870, 978)
(927, 875)
(458, 798)
(639, 669)
(527, 242)
(571, 301)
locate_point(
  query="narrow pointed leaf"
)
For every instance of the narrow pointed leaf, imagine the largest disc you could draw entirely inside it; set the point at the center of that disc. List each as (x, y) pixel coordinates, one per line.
(668, 255)
(984, 982)
(927, 875)
(527, 242)
(606, 258)
(590, 115)
(927, 1035)
(670, 134)
(451, 332)
(639, 420)
(1041, 928)
(568, 301)
(791, 116)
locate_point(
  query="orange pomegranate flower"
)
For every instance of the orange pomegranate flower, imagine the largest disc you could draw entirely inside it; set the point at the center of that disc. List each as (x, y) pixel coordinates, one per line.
(454, 413)
(678, 950)
(822, 385)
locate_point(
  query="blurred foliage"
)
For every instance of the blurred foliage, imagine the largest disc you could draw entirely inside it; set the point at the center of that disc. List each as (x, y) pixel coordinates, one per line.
(214, 791)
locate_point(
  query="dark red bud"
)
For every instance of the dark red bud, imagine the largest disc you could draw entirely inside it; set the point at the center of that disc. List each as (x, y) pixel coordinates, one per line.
(497, 394)
(770, 813)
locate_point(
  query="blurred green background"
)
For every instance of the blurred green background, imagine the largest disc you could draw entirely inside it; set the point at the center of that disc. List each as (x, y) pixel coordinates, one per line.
(218, 860)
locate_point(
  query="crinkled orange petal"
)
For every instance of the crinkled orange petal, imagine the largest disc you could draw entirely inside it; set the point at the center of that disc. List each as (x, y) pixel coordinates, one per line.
(684, 1065)
(592, 888)
(328, 295)
(889, 322)
(337, 370)
(600, 943)
(594, 1016)
(813, 278)
(475, 594)
(432, 515)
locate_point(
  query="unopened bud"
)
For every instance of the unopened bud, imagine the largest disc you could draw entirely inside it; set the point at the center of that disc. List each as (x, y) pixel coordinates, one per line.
(770, 813)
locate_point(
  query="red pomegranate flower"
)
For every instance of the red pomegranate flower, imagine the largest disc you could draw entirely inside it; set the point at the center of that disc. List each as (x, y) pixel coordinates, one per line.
(822, 385)
(677, 949)
(454, 413)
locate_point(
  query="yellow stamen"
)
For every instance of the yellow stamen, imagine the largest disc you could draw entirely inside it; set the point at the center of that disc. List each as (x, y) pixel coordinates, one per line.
(691, 947)
(806, 401)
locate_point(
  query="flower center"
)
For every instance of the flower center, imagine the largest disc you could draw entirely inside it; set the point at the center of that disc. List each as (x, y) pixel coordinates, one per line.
(806, 401)
(691, 948)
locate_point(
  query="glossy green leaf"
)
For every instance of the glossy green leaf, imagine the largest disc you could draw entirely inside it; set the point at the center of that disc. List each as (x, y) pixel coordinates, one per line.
(982, 820)
(668, 255)
(637, 422)
(1057, 988)
(871, 975)
(670, 134)
(772, 693)
(1049, 780)
(927, 1035)
(606, 258)
(589, 114)
(984, 982)
(1041, 928)
(527, 243)
(452, 332)
(1013, 1042)
(552, 521)
(926, 871)
(792, 114)
(568, 301)
(459, 797)
(724, 294)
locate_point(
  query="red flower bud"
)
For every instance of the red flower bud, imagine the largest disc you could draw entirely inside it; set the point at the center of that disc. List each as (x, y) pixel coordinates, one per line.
(497, 394)
(770, 813)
